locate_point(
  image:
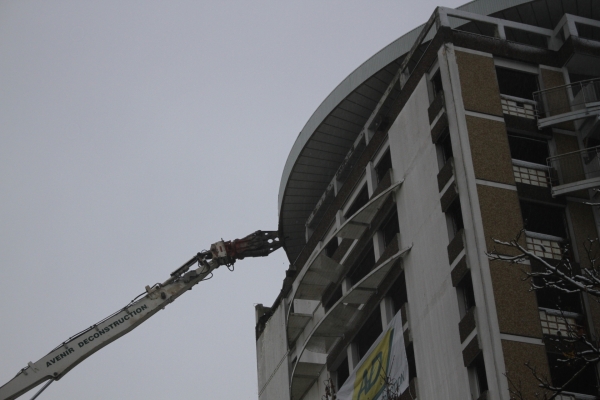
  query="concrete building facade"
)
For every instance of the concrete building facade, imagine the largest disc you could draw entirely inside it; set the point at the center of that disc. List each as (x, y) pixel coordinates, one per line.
(482, 123)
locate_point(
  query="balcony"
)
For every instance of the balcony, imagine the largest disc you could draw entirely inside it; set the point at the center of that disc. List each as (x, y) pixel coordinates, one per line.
(517, 106)
(574, 396)
(559, 323)
(545, 246)
(579, 100)
(530, 173)
(574, 171)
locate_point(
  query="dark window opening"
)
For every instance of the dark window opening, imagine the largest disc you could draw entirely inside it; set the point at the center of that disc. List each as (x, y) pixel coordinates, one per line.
(369, 333)
(466, 296)
(363, 267)
(412, 366)
(516, 83)
(331, 247)
(474, 27)
(456, 219)
(445, 147)
(397, 292)
(390, 228)
(384, 165)
(562, 371)
(478, 366)
(528, 149)
(436, 84)
(557, 300)
(574, 78)
(545, 219)
(333, 298)
(525, 37)
(342, 373)
(588, 31)
(361, 199)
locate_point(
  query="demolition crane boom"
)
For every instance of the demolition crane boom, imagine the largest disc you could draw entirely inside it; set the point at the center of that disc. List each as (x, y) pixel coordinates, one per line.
(77, 348)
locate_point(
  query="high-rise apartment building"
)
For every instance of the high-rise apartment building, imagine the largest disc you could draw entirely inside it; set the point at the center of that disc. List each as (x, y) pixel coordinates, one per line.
(482, 123)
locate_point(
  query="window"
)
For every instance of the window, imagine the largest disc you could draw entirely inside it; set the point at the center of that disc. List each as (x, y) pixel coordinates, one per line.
(557, 300)
(332, 298)
(342, 373)
(412, 366)
(528, 149)
(561, 372)
(390, 228)
(363, 267)
(444, 148)
(454, 219)
(369, 333)
(361, 199)
(384, 165)
(574, 78)
(544, 219)
(516, 83)
(436, 84)
(466, 296)
(477, 376)
(397, 292)
(331, 247)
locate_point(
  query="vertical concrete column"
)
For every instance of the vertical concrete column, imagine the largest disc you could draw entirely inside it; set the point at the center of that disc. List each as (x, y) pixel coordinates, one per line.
(353, 356)
(378, 245)
(307, 233)
(339, 220)
(371, 174)
(387, 311)
(368, 135)
(488, 328)
(371, 178)
(346, 285)
(337, 185)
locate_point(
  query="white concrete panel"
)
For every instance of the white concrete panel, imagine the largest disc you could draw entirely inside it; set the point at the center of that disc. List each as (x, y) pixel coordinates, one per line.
(432, 299)
(272, 358)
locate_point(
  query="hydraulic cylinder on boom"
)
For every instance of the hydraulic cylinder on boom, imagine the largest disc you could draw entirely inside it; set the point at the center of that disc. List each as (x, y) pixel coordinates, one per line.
(77, 348)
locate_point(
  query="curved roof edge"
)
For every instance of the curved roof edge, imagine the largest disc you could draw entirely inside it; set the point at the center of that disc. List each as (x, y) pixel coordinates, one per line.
(378, 61)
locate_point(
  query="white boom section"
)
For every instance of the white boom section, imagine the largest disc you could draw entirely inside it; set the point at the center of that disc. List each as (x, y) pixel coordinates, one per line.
(73, 351)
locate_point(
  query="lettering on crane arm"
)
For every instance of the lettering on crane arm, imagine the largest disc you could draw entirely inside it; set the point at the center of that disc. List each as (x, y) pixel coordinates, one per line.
(97, 334)
(59, 357)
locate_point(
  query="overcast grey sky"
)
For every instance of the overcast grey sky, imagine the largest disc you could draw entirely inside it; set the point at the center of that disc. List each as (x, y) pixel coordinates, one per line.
(134, 134)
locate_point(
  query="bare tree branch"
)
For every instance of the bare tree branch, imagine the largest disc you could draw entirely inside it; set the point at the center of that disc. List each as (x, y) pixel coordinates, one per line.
(576, 346)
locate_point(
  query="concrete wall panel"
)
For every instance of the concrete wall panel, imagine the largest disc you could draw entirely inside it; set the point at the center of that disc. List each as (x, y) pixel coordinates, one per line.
(550, 79)
(501, 215)
(271, 349)
(584, 228)
(432, 301)
(489, 147)
(478, 83)
(516, 354)
(515, 304)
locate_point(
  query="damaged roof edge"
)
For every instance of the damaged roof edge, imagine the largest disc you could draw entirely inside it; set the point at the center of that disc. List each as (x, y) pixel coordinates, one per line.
(378, 61)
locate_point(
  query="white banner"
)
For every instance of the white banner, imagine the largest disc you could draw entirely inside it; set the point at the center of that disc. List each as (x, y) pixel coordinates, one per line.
(385, 364)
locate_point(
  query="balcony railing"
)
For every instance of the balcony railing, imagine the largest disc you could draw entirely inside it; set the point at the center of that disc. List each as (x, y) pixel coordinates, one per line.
(530, 173)
(576, 170)
(567, 102)
(559, 323)
(546, 246)
(575, 396)
(517, 106)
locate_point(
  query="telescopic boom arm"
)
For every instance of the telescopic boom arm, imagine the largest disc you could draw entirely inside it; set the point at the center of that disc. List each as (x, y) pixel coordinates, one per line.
(79, 347)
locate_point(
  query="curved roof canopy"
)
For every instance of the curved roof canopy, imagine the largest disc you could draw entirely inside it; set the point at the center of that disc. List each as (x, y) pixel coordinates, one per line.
(332, 129)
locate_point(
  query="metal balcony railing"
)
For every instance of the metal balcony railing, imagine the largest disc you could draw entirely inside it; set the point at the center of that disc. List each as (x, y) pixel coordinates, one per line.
(575, 171)
(543, 245)
(567, 102)
(530, 173)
